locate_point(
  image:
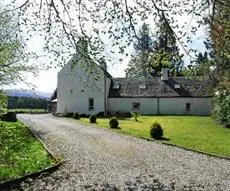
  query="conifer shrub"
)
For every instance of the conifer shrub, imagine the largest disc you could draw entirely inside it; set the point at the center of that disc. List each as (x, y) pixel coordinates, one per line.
(76, 116)
(92, 118)
(156, 131)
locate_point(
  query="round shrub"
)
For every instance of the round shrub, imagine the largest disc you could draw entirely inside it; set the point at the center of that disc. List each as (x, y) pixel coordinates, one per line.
(113, 123)
(76, 116)
(227, 125)
(156, 131)
(92, 118)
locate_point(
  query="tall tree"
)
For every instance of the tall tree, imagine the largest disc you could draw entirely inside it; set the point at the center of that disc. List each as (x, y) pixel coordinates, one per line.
(139, 64)
(152, 55)
(201, 66)
(54, 95)
(166, 53)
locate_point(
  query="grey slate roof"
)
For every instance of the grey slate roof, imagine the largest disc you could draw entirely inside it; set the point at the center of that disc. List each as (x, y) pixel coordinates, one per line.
(155, 87)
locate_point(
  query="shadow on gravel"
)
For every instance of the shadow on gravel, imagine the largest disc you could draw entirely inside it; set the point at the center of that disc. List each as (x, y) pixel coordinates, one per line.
(39, 133)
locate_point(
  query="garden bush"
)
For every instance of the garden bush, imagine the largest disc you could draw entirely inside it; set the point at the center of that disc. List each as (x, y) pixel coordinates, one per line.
(101, 114)
(136, 115)
(69, 114)
(84, 115)
(222, 107)
(113, 122)
(76, 116)
(92, 118)
(123, 114)
(9, 116)
(156, 131)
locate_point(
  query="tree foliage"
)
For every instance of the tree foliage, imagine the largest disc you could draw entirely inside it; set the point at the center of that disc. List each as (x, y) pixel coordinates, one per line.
(167, 53)
(105, 23)
(201, 66)
(54, 95)
(220, 50)
(139, 64)
(154, 53)
(222, 106)
(26, 103)
(13, 57)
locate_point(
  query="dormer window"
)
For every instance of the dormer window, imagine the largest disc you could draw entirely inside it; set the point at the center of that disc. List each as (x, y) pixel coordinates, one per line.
(142, 86)
(177, 86)
(116, 86)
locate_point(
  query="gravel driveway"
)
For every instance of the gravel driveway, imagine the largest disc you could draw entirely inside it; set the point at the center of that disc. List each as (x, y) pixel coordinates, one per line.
(99, 159)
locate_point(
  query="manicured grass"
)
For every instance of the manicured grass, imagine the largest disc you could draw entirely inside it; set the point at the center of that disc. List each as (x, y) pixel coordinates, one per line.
(20, 152)
(193, 132)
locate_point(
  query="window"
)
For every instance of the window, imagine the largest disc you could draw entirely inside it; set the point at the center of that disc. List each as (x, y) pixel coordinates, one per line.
(142, 86)
(177, 86)
(116, 85)
(136, 105)
(91, 103)
(188, 106)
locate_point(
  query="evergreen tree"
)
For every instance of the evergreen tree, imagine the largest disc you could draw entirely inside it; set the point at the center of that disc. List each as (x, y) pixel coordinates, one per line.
(166, 52)
(152, 55)
(54, 95)
(139, 64)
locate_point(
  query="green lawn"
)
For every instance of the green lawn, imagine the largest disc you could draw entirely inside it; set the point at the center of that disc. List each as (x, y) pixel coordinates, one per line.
(193, 132)
(20, 152)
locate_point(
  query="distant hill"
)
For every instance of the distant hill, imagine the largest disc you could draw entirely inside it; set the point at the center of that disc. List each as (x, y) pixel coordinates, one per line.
(28, 93)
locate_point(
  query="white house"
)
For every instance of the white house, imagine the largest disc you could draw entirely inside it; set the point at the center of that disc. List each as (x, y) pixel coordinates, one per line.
(89, 92)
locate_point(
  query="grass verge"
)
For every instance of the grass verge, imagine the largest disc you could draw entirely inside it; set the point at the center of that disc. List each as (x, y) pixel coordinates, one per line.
(21, 153)
(191, 132)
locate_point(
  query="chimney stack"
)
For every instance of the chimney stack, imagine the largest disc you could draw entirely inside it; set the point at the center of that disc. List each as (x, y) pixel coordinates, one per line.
(164, 74)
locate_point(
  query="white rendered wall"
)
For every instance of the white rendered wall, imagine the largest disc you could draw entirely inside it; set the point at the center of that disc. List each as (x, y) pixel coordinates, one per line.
(76, 86)
(147, 105)
(170, 106)
(198, 106)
